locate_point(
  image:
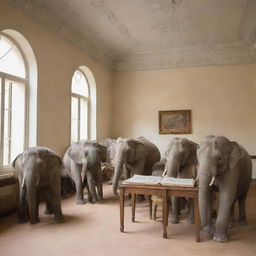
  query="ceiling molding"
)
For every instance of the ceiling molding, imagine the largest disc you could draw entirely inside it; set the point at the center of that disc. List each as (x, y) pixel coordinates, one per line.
(170, 33)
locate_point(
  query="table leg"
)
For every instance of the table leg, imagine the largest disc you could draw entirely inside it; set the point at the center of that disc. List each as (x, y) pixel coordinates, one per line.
(133, 206)
(150, 206)
(165, 214)
(197, 219)
(122, 209)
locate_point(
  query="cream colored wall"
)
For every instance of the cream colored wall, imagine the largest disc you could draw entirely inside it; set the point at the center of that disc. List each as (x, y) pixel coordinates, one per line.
(57, 59)
(222, 100)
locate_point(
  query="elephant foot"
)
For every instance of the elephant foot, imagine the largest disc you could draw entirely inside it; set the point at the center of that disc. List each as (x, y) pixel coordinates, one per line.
(59, 219)
(80, 201)
(209, 231)
(92, 201)
(243, 222)
(222, 238)
(22, 220)
(110, 182)
(174, 220)
(48, 211)
(34, 221)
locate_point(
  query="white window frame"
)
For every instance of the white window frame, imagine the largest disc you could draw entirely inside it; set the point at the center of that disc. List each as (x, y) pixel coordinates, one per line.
(88, 102)
(5, 76)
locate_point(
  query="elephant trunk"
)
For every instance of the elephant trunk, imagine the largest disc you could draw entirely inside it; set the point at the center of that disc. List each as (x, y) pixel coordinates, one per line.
(172, 167)
(206, 180)
(31, 182)
(83, 173)
(117, 175)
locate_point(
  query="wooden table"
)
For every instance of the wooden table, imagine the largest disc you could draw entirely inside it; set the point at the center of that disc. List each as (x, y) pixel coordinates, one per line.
(165, 192)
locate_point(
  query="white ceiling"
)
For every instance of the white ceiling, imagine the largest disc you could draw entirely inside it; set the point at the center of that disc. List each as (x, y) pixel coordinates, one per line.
(153, 34)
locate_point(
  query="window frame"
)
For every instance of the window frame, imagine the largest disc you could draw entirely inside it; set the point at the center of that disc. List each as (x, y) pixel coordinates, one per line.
(87, 99)
(24, 81)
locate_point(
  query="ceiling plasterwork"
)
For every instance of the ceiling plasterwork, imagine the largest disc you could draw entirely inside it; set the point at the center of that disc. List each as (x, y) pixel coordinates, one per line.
(152, 34)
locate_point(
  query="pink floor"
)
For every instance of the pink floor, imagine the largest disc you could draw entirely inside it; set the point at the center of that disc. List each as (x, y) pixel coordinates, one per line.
(94, 230)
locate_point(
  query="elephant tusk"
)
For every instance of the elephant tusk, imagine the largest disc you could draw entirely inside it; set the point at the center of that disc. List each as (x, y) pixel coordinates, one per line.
(212, 181)
(165, 170)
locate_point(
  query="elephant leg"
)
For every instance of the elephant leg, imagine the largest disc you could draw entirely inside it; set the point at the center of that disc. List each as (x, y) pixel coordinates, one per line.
(99, 186)
(191, 210)
(174, 210)
(76, 176)
(56, 201)
(48, 203)
(232, 216)
(22, 207)
(242, 211)
(91, 185)
(225, 204)
(88, 192)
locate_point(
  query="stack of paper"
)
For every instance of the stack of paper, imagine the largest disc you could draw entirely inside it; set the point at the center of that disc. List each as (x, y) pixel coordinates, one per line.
(156, 180)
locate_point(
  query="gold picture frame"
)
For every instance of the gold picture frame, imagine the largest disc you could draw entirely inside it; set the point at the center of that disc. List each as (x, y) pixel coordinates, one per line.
(175, 122)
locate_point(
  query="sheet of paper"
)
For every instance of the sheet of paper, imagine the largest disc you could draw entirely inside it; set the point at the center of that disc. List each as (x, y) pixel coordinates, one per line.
(177, 182)
(143, 179)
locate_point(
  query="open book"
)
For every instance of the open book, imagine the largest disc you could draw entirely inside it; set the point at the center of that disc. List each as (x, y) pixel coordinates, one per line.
(156, 180)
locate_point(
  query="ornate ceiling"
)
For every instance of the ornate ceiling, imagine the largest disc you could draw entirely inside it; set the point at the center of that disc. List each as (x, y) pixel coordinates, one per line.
(152, 34)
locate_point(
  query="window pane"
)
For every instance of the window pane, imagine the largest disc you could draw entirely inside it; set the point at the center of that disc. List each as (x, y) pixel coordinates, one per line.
(7, 121)
(11, 61)
(14, 121)
(79, 84)
(74, 119)
(84, 119)
(18, 119)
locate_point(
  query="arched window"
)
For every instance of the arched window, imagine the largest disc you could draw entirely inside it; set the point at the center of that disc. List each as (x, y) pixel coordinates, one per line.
(13, 86)
(18, 96)
(80, 107)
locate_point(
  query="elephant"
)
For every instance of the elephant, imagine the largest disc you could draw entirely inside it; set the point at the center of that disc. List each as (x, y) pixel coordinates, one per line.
(83, 164)
(38, 170)
(228, 166)
(136, 155)
(110, 144)
(181, 163)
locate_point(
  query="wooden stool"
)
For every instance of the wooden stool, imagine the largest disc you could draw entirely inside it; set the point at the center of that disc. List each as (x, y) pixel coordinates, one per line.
(155, 201)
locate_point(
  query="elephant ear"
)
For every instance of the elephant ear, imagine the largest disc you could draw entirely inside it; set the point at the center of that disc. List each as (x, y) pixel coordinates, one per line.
(17, 165)
(192, 157)
(17, 161)
(103, 152)
(168, 149)
(74, 152)
(236, 154)
(53, 158)
(140, 151)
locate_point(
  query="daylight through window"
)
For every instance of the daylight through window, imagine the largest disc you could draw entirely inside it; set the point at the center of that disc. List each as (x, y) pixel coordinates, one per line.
(13, 84)
(80, 107)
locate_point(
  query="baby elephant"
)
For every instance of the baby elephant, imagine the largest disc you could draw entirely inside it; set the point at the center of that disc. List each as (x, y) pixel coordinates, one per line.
(83, 163)
(38, 170)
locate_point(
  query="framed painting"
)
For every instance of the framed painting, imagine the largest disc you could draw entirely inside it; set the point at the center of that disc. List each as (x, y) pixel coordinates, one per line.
(175, 122)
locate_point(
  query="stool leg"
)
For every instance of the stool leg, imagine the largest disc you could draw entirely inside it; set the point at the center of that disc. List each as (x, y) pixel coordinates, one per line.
(155, 210)
(133, 206)
(150, 206)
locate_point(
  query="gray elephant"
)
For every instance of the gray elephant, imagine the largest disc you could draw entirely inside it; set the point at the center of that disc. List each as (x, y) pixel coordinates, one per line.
(137, 156)
(83, 164)
(181, 163)
(38, 170)
(110, 145)
(228, 166)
